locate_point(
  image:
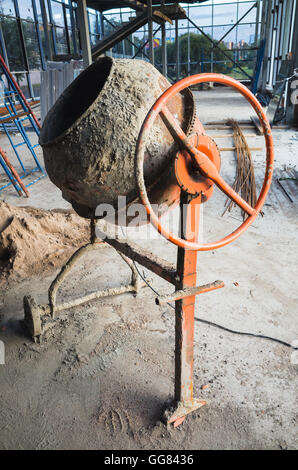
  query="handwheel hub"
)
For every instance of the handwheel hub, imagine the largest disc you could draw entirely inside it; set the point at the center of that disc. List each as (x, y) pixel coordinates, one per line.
(189, 178)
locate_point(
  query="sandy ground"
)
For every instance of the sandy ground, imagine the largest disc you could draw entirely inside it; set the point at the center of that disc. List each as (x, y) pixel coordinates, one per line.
(104, 373)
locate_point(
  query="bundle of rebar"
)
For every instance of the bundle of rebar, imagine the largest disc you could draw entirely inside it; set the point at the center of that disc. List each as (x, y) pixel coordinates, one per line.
(244, 183)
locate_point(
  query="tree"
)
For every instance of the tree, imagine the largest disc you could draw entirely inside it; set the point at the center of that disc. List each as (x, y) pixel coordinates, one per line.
(200, 51)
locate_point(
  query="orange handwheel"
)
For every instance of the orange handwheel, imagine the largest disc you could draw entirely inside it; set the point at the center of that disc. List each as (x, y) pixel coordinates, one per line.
(201, 160)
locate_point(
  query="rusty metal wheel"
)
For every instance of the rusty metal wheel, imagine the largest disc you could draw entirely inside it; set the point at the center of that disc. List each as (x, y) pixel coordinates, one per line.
(200, 160)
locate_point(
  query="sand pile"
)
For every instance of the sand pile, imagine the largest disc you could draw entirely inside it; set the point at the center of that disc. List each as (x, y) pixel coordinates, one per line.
(35, 240)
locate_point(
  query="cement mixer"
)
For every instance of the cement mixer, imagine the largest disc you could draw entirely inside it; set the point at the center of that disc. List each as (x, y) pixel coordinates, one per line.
(89, 137)
(121, 129)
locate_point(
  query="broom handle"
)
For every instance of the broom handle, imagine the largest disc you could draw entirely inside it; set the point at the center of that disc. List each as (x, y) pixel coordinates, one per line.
(13, 171)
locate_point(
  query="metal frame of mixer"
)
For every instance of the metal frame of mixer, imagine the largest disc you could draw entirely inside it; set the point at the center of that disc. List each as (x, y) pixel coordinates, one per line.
(198, 154)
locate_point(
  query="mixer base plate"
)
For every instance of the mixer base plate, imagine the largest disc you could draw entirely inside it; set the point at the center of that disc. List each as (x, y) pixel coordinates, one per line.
(177, 414)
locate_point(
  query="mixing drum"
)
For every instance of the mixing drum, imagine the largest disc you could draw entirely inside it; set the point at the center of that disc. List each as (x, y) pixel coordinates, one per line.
(90, 134)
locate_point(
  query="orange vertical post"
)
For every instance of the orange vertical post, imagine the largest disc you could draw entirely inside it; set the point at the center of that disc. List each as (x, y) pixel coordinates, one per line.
(185, 308)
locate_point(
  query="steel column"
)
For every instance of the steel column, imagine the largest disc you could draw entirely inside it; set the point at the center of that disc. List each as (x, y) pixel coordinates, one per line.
(53, 27)
(293, 35)
(164, 49)
(265, 32)
(163, 45)
(23, 47)
(188, 45)
(49, 54)
(177, 50)
(150, 32)
(3, 47)
(42, 58)
(73, 26)
(257, 24)
(82, 16)
(66, 28)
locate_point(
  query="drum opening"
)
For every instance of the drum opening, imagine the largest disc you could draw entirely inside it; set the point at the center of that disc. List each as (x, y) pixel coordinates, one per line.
(75, 100)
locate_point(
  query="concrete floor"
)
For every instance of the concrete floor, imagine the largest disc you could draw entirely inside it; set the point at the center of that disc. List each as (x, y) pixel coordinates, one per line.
(101, 377)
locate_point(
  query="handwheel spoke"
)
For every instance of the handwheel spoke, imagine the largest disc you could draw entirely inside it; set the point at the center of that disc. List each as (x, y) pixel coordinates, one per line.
(208, 169)
(202, 161)
(172, 124)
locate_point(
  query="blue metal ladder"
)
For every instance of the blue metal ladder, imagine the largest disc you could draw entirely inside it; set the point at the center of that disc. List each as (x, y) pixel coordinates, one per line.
(14, 122)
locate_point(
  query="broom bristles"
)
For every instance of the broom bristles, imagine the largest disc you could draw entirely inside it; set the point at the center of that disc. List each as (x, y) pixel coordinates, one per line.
(244, 183)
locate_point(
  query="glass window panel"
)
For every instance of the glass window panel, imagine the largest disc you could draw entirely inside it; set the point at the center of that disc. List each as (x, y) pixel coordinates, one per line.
(23, 83)
(225, 14)
(246, 33)
(47, 10)
(182, 31)
(7, 7)
(38, 9)
(68, 18)
(115, 19)
(35, 82)
(207, 31)
(202, 16)
(71, 39)
(3, 85)
(92, 23)
(193, 30)
(195, 68)
(57, 14)
(12, 43)
(110, 24)
(31, 43)
(25, 9)
(220, 31)
(251, 16)
(93, 39)
(125, 15)
(138, 38)
(117, 49)
(61, 42)
(183, 24)
(71, 44)
(42, 37)
(128, 47)
(238, 73)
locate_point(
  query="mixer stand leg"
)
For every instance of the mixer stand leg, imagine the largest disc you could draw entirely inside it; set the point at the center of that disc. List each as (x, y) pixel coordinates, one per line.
(185, 403)
(34, 312)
